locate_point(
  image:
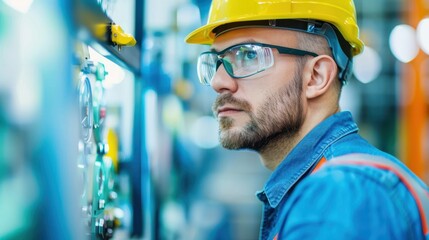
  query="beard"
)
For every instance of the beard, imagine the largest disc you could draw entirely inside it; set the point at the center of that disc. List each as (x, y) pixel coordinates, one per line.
(280, 116)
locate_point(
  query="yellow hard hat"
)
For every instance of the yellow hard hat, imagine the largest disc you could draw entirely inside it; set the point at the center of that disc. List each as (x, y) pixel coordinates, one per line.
(339, 13)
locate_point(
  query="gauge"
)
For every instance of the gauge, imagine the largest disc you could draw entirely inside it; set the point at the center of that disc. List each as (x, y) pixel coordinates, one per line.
(85, 109)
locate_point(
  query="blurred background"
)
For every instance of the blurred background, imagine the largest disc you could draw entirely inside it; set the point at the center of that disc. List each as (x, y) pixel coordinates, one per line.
(105, 131)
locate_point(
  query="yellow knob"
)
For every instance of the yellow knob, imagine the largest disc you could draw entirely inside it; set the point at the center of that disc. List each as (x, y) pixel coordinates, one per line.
(120, 38)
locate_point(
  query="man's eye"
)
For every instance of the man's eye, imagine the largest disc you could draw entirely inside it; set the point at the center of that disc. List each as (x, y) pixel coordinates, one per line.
(250, 55)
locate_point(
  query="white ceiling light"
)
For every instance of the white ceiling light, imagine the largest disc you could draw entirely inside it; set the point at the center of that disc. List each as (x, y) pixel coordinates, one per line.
(19, 5)
(403, 43)
(423, 35)
(367, 66)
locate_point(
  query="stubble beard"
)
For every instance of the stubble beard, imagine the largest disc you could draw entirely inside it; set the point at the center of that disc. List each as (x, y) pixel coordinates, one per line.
(281, 115)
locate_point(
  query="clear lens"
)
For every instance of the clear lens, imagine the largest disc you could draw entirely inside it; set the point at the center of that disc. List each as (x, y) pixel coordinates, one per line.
(206, 67)
(239, 62)
(245, 60)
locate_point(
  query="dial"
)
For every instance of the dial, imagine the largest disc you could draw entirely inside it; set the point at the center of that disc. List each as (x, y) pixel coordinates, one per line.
(85, 109)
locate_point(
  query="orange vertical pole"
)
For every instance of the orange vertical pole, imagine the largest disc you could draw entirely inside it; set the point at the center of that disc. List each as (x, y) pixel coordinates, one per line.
(414, 110)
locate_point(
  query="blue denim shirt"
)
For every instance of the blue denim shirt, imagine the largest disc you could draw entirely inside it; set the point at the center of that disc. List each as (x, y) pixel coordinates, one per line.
(337, 202)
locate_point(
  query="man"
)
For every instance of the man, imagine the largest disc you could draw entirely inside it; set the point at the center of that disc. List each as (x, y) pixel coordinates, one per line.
(278, 67)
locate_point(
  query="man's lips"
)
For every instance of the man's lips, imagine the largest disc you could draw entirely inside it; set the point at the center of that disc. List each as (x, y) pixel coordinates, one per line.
(227, 110)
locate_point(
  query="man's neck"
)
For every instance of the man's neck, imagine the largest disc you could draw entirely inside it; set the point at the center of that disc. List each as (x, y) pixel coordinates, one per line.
(277, 149)
(274, 152)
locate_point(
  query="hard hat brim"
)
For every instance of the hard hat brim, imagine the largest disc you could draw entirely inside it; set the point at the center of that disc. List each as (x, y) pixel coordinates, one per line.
(205, 35)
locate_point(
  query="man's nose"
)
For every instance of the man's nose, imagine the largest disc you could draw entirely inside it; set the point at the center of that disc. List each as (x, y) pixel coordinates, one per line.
(223, 82)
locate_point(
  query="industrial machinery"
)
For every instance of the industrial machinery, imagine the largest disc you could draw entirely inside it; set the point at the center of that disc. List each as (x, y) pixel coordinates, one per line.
(99, 142)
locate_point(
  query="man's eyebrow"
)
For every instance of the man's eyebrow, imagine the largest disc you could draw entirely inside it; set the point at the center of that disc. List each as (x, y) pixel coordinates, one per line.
(213, 50)
(249, 40)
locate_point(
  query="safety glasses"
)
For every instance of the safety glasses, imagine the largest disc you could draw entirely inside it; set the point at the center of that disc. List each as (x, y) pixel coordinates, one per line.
(241, 60)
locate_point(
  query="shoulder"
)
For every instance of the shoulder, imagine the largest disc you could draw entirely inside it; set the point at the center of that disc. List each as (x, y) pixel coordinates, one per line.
(353, 200)
(347, 186)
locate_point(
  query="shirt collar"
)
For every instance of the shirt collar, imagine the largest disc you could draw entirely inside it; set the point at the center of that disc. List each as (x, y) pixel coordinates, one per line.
(306, 153)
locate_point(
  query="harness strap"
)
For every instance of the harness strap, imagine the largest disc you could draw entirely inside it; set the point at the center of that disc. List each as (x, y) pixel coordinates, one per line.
(419, 193)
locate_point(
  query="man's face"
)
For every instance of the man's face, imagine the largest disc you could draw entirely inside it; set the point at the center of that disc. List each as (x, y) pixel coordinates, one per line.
(254, 110)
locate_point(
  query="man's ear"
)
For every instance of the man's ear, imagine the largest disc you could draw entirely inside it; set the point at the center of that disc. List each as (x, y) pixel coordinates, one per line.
(319, 74)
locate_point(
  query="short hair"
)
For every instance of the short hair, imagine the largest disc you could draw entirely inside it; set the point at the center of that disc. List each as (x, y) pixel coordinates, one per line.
(313, 43)
(317, 44)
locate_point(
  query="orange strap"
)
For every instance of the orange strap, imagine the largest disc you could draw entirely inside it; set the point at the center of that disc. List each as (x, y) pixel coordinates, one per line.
(321, 162)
